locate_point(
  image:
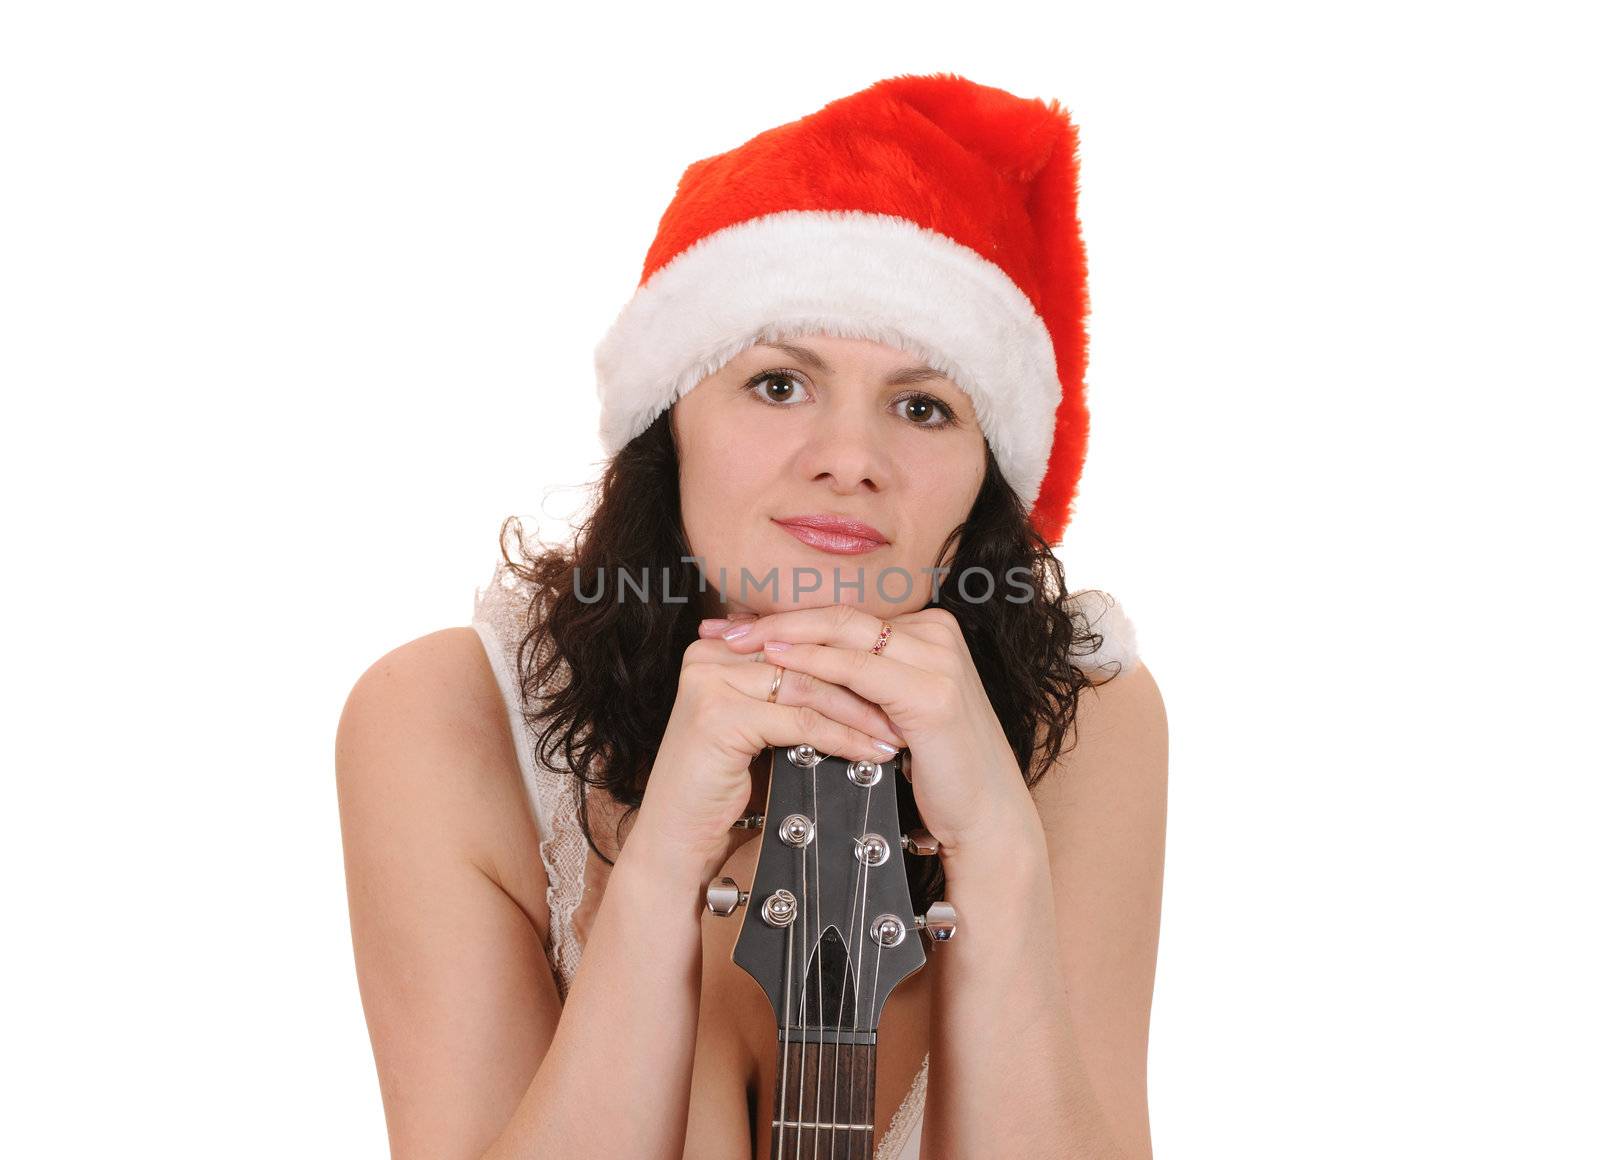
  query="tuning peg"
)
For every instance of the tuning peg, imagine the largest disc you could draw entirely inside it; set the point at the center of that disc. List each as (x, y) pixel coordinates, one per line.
(749, 822)
(723, 897)
(919, 842)
(939, 923)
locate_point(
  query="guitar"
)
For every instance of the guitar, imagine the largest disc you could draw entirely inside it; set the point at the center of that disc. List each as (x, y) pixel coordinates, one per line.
(828, 939)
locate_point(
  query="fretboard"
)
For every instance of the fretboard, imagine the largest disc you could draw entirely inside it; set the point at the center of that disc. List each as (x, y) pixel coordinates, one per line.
(823, 1099)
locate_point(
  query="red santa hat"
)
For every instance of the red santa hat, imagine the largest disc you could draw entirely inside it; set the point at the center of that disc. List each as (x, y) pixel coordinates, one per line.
(929, 213)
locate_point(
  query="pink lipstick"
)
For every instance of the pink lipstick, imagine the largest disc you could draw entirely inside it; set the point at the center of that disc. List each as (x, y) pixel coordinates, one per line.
(838, 534)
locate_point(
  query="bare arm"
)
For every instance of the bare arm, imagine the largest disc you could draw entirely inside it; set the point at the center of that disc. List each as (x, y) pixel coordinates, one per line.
(476, 1056)
(1061, 993)
(615, 1081)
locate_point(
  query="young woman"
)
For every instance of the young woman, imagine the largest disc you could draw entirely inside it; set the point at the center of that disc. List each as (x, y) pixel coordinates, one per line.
(846, 422)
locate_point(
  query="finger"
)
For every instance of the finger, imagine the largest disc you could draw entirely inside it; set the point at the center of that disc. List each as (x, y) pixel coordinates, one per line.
(717, 650)
(712, 626)
(880, 679)
(752, 674)
(783, 725)
(803, 690)
(841, 704)
(857, 736)
(841, 625)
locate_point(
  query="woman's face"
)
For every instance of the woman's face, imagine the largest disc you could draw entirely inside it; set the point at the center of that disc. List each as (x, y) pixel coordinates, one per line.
(819, 427)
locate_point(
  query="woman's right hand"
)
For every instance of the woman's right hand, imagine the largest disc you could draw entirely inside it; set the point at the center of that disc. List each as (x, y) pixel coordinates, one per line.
(700, 783)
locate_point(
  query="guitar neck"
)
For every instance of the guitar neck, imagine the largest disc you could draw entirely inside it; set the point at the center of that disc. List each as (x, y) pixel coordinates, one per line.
(823, 1096)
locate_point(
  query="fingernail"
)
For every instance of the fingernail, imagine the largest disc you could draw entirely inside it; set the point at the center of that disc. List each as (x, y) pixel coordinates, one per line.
(713, 625)
(775, 646)
(885, 748)
(736, 631)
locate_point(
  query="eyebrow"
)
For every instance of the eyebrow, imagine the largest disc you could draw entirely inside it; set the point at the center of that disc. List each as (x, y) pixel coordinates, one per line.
(812, 359)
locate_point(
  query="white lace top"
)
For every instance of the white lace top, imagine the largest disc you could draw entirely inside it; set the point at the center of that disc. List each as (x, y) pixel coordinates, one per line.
(576, 876)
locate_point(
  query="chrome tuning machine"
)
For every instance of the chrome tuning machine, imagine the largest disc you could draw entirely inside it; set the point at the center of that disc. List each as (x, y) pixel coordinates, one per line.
(939, 924)
(723, 896)
(919, 842)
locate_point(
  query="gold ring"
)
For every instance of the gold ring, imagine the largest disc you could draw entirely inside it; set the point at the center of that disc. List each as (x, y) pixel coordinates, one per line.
(772, 694)
(883, 639)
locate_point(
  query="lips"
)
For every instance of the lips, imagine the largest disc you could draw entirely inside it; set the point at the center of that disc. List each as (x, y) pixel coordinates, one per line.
(838, 534)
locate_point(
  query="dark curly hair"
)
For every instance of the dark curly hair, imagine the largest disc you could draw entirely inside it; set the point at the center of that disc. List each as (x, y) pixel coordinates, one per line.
(599, 677)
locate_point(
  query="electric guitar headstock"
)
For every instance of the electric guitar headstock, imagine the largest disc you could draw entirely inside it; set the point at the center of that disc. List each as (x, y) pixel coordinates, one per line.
(828, 934)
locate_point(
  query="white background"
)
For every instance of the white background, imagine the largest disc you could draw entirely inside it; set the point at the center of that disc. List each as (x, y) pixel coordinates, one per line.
(299, 301)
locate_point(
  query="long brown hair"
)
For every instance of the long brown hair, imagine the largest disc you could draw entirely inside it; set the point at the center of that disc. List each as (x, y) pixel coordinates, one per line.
(599, 676)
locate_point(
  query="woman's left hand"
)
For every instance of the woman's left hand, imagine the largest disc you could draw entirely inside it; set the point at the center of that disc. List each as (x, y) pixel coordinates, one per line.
(968, 787)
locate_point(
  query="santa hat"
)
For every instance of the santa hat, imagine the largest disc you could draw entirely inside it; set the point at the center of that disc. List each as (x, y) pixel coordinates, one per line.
(929, 213)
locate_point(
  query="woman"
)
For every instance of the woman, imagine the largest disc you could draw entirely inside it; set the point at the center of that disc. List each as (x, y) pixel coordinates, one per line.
(846, 419)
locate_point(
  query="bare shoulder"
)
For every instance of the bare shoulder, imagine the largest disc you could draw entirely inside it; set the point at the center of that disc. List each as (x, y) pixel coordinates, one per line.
(425, 733)
(1117, 760)
(1126, 710)
(447, 669)
(460, 1001)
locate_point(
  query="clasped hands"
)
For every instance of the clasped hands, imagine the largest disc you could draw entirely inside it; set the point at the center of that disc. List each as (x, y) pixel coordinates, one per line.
(967, 784)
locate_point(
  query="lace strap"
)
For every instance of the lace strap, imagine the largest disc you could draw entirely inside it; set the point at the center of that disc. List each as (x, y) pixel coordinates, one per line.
(500, 616)
(907, 1117)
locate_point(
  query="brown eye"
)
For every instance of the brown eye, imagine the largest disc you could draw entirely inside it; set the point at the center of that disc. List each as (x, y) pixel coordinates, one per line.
(920, 407)
(782, 394)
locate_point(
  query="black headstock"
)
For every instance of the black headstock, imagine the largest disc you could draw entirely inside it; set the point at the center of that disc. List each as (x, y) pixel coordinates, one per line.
(829, 930)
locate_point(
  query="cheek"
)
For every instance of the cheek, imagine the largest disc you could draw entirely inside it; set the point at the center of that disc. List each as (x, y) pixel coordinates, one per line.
(702, 454)
(946, 492)
(725, 481)
(725, 492)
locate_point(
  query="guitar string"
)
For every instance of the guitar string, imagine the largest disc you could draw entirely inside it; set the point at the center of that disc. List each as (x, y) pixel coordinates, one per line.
(833, 1115)
(877, 963)
(788, 1017)
(815, 846)
(805, 973)
(857, 889)
(805, 965)
(788, 1023)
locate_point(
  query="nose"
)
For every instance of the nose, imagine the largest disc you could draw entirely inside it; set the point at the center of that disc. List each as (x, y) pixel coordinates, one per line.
(845, 451)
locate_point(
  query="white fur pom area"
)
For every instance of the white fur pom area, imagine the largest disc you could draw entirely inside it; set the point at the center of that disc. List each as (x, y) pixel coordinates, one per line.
(1106, 616)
